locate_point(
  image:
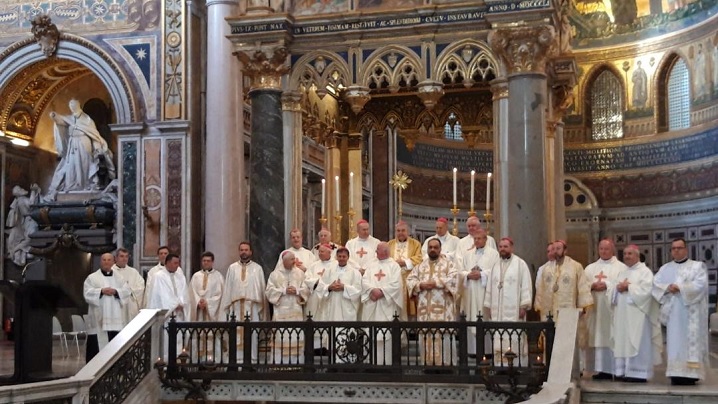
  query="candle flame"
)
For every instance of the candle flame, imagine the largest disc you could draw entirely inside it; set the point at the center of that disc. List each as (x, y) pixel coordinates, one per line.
(489, 175)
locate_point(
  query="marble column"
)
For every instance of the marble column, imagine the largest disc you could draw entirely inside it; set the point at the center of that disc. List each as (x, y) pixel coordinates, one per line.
(524, 50)
(500, 90)
(550, 178)
(224, 192)
(292, 121)
(265, 67)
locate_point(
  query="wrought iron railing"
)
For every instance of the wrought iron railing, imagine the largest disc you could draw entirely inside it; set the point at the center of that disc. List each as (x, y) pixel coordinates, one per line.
(510, 353)
(125, 374)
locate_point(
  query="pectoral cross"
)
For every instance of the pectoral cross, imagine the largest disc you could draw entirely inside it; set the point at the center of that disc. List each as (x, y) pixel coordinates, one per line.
(362, 253)
(379, 275)
(600, 277)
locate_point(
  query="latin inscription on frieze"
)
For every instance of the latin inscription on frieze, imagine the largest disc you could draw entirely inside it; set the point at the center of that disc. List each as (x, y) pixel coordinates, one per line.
(440, 158)
(636, 156)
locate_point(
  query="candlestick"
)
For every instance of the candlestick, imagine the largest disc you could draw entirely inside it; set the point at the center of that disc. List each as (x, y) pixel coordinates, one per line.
(473, 174)
(338, 229)
(336, 186)
(488, 192)
(351, 191)
(324, 195)
(352, 227)
(455, 213)
(487, 220)
(454, 171)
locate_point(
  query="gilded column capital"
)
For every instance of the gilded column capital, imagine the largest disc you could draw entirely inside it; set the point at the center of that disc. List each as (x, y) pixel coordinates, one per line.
(292, 101)
(499, 89)
(355, 141)
(264, 66)
(357, 97)
(524, 49)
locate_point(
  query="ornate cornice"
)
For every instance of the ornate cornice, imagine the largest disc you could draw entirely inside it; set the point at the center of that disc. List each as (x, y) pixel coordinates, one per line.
(264, 66)
(524, 49)
(292, 101)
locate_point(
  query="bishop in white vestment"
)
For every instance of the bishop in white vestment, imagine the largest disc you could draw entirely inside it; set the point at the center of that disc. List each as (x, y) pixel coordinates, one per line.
(243, 297)
(636, 333)
(325, 237)
(382, 298)
(134, 281)
(362, 248)
(681, 287)
(106, 294)
(287, 291)
(473, 225)
(434, 282)
(406, 251)
(449, 242)
(313, 278)
(603, 274)
(340, 292)
(474, 274)
(507, 298)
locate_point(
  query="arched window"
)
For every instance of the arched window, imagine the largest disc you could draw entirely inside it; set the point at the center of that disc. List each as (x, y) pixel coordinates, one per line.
(679, 97)
(452, 128)
(606, 107)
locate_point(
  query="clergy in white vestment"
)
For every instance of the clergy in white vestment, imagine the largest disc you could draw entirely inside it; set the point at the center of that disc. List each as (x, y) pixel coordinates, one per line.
(105, 294)
(340, 292)
(325, 237)
(206, 287)
(635, 334)
(473, 225)
(134, 281)
(507, 298)
(474, 274)
(406, 251)
(362, 248)
(449, 242)
(382, 298)
(304, 257)
(243, 297)
(162, 253)
(681, 287)
(170, 292)
(602, 273)
(287, 291)
(550, 257)
(435, 283)
(313, 278)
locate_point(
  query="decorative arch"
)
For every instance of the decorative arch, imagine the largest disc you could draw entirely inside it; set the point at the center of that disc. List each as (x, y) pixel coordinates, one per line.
(466, 62)
(660, 83)
(588, 89)
(578, 196)
(393, 68)
(369, 122)
(25, 53)
(320, 68)
(393, 120)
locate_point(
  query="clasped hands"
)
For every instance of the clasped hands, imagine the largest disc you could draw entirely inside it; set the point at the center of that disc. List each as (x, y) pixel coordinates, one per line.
(599, 286)
(336, 286)
(108, 291)
(202, 304)
(428, 285)
(673, 288)
(623, 286)
(474, 274)
(376, 294)
(291, 290)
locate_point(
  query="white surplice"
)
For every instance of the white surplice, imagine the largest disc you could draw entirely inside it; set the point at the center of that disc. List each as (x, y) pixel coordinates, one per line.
(105, 312)
(313, 279)
(449, 244)
(473, 290)
(685, 315)
(509, 291)
(599, 356)
(385, 275)
(340, 305)
(362, 251)
(170, 292)
(303, 257)
(243, 296)
(467, 242)
(288, 348)
(207, 285)
(635, 333)
(136, 283)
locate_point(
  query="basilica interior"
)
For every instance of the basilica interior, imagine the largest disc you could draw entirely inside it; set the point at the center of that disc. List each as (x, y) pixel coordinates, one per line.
(241, 120)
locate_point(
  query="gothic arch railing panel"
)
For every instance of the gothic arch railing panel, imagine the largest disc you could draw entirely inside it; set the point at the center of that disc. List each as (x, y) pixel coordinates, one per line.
(320, 68)
(466, 62)
(392, 68)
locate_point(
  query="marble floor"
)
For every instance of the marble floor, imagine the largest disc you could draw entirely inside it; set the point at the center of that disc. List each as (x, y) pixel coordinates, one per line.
(64, 362)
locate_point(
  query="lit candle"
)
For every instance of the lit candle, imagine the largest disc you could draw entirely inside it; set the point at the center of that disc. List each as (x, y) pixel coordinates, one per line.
(324, 196)
(454, 186)
(351, 190)
(488, 192)
(473, 174)
(336, 185)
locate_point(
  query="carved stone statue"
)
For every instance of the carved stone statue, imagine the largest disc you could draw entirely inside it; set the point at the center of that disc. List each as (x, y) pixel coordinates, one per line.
(85, 158)
(20, 224)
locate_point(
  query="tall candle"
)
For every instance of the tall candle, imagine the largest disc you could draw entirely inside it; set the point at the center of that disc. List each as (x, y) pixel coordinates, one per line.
(336, 187)
(324, 196)
(351, 190)
(473, 174)
(454, 186)
(488, 192)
